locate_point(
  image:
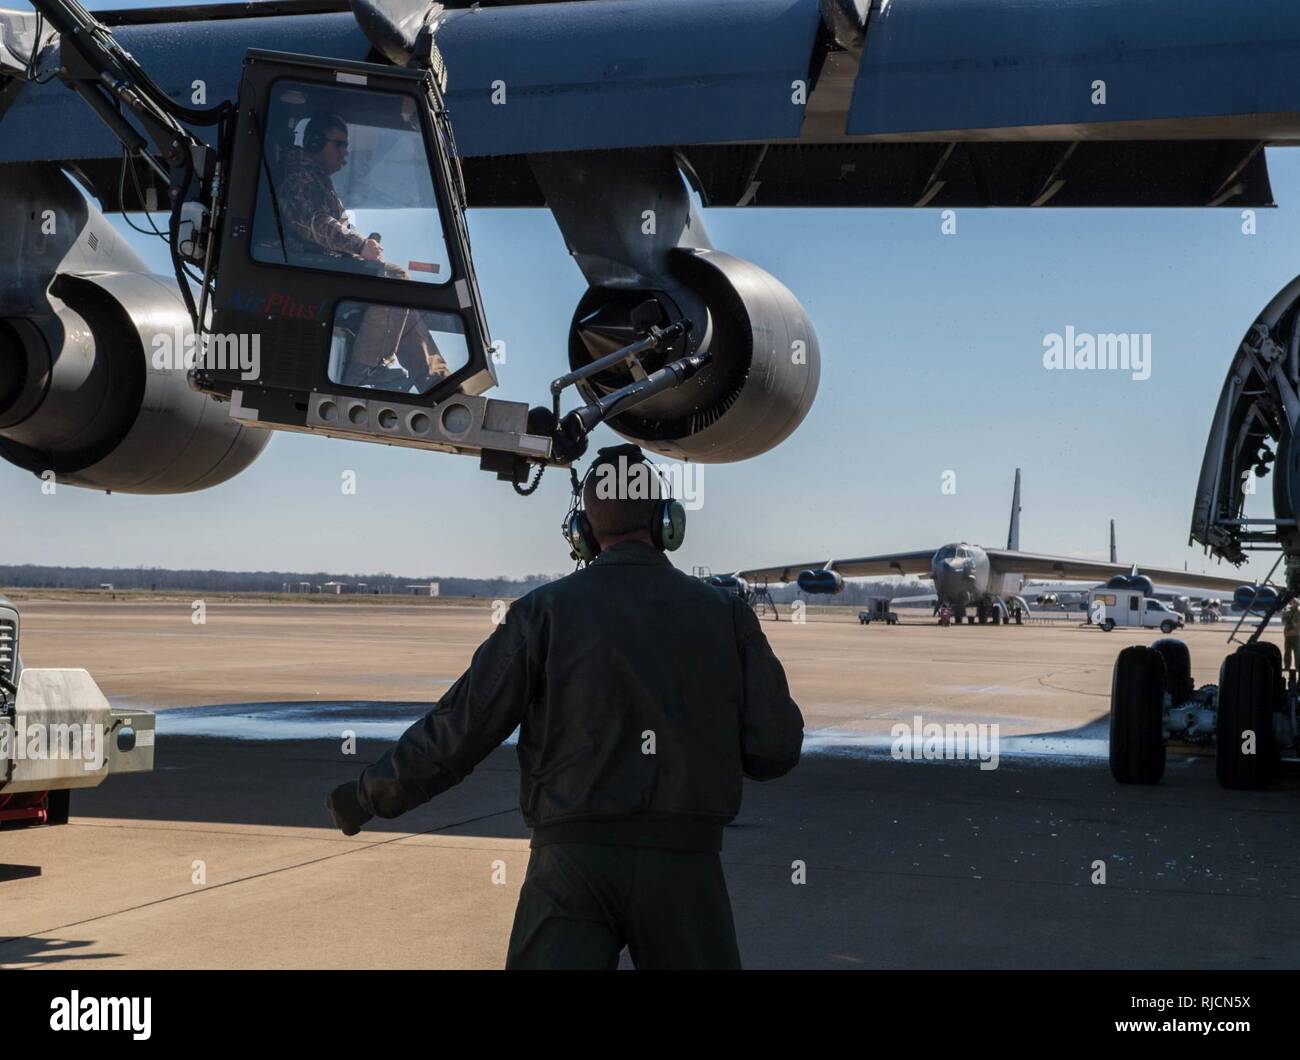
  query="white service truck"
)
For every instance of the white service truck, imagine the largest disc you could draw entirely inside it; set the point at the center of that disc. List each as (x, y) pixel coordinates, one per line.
(58, 732)
(1111, 606)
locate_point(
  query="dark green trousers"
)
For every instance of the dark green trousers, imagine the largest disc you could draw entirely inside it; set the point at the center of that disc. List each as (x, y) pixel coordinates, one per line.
(582, 903)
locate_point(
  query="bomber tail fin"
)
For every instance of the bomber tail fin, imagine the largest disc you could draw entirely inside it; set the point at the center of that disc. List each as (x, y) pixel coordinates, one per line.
(1013, 534)
(1113, 554)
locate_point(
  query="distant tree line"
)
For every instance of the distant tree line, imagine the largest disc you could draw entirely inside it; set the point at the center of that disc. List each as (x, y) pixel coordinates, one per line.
(154, 579)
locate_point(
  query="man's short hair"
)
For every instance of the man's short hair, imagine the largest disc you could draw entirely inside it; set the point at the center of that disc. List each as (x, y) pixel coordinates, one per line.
(620, 495)
(316, 128)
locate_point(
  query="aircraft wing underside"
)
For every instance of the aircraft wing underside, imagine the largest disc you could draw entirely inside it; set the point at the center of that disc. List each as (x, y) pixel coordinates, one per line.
(939, 103)
(1003, 561)
(915, 563)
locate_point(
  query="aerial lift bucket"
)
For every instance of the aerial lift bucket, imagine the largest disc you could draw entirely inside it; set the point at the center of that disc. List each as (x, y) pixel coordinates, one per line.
(344, 296)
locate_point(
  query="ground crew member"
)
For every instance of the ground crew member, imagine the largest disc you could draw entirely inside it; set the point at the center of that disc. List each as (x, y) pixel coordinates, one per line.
(643, 696)
(1291, 634)
(315, 221)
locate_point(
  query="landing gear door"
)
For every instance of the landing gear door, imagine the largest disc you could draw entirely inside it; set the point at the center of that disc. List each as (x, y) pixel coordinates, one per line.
(344, 283)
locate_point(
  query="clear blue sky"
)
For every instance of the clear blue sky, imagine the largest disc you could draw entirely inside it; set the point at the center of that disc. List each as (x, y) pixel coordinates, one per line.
(931, 360)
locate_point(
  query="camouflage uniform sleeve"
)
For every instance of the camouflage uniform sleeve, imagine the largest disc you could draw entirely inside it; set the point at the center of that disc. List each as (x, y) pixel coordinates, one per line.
(306, 212)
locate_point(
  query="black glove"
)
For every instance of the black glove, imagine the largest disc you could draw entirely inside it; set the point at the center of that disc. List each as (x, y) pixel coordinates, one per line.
(344, 805)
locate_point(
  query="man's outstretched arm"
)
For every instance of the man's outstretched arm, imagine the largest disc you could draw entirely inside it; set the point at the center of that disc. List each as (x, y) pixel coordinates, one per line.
(441, 749)
(771, 725)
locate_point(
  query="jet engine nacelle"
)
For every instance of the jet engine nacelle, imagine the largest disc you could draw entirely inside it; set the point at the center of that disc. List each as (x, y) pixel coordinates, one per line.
(1253, 598)
(730, 582)
(766, 360)
(821, 582)
(93, 354)
(1139, 582)
(96, 392)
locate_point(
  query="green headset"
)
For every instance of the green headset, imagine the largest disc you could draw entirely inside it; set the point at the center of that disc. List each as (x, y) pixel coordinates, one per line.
(313, 134)
(667, 524)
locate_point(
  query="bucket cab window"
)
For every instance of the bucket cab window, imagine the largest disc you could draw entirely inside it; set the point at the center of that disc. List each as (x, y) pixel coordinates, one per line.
(395, 348)
(345, 185)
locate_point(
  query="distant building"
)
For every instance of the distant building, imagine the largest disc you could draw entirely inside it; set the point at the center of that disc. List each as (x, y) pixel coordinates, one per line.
(424, 589)
(332, 587)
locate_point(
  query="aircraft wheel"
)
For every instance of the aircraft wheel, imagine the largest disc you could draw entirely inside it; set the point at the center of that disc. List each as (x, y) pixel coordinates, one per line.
(1137, 731)
(1020, 619)
(1108, 625)
(1178, 668)
(997, 617)
(57, 804)
(1248, 685)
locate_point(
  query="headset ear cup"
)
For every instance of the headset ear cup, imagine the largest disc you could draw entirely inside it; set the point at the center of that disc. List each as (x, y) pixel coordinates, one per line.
(669, 529)
(591, 546)
(582, 539)
(313, 141)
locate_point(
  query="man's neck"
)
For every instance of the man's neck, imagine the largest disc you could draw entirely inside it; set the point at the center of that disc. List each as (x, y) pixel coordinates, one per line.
(640, 538)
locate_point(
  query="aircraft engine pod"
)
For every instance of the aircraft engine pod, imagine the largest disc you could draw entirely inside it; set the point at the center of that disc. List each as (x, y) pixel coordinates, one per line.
(821, 582)
(90, 404)
(766, 360)
(729, 582)
(1249, 597)
(1140, 582)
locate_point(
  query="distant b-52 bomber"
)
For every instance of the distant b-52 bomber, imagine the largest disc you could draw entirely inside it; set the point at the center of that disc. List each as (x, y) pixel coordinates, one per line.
(987, 581)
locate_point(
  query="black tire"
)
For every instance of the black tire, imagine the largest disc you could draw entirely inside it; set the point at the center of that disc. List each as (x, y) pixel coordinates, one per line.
(1137, 730)
(1178, 668)
(1248, 684)
(1108, 625)
(57, 804)
(1274, 654)
(1167, 627)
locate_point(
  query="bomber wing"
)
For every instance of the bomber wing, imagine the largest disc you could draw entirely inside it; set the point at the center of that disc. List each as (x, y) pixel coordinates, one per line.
(1004, 561)
(897, 563)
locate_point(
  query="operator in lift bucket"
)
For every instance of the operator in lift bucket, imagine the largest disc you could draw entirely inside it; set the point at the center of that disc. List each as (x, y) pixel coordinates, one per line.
(315, 222)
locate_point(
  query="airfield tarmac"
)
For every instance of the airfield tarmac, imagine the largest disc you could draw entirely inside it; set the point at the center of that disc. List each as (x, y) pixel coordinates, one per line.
(224, 856)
